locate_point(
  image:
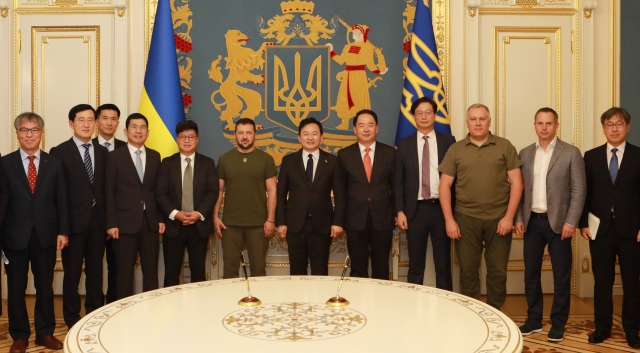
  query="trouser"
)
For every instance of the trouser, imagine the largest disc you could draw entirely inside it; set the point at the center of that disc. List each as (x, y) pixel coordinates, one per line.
(111, 271)
(126, 248)
(173, 251)
(603, 257)
(309, 246)
(429, 220)
(478, 235)
(84, 248)
(234, 238)
(366, 243)
(43, 261)
(538, 235)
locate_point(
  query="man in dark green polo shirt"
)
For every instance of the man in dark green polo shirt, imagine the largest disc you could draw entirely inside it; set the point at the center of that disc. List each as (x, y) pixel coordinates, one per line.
(248, 182)
(486, 170)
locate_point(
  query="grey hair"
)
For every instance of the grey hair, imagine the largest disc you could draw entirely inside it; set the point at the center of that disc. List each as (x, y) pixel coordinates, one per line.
(479, 105)
(28, 116)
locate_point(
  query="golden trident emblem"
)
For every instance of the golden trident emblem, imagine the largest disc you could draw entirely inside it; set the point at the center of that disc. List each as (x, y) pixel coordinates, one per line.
(298, 101)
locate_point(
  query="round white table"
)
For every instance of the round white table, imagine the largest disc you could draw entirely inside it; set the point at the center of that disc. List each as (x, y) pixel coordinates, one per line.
(383, 316)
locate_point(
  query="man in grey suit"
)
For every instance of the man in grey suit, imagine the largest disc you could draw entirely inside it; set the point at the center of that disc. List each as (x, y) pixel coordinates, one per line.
(554, 193)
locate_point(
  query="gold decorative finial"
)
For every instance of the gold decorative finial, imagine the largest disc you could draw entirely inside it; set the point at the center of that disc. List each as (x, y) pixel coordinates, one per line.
(293, 6)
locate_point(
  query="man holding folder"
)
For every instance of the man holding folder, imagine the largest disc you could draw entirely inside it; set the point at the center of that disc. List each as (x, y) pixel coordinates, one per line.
(613, 196)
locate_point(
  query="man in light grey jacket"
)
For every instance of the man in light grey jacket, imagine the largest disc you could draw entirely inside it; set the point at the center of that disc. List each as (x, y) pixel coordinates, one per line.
(554, 193)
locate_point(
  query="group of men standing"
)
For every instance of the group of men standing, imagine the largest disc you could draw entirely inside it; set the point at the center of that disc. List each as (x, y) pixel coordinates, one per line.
(90, 194)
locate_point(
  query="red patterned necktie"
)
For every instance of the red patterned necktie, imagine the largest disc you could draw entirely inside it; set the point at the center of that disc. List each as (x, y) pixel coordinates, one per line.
(367, 163)
(33, 175)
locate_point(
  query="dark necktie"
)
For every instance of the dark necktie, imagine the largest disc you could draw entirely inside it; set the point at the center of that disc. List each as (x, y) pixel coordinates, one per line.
(33, 174)
(426, 170)
(613, 165)
(87, 161)
(187, 187)
(309, 170)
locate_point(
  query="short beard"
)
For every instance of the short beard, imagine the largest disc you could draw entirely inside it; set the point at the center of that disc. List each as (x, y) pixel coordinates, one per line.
(245, 148)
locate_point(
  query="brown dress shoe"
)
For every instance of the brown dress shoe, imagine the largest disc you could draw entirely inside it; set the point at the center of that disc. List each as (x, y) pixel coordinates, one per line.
(19, 346)
(49, 341)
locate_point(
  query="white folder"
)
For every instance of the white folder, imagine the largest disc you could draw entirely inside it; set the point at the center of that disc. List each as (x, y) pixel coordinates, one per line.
(594, 223)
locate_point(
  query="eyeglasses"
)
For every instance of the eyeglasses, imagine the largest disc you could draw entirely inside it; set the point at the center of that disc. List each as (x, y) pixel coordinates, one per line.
(33, 130)
(85, 120)
(187, 137)
(619, 125)
(136, 127)
(423, 112)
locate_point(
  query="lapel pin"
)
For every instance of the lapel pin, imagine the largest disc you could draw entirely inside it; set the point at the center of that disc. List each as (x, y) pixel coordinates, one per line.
(244, 159)
(325, 161)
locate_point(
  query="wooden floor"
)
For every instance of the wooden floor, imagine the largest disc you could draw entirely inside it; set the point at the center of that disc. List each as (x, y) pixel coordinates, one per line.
(579, 326)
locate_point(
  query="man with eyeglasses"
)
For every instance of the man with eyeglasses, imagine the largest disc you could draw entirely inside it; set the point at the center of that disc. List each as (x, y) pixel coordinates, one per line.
(417, 199)
(486, 172)
(613, 196)
(36, 225)
(186, 191)
(133, 218)
(85, 167)
(108, 119)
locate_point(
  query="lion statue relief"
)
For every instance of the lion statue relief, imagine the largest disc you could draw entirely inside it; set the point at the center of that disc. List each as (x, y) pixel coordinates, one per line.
(240, 61)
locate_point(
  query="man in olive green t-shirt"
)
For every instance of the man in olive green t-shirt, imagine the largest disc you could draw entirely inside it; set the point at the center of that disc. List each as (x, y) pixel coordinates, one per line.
(486, 171)
(248, 183)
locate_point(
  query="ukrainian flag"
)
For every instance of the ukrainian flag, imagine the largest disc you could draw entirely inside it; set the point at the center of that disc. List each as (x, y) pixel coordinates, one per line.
(422, 76)
(161, 100)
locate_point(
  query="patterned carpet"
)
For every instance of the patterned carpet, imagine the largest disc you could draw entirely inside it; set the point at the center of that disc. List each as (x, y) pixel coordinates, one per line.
(575, 339)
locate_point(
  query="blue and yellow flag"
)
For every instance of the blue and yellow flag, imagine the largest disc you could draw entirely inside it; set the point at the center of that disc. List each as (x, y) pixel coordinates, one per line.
(422, 76)
(161, 100)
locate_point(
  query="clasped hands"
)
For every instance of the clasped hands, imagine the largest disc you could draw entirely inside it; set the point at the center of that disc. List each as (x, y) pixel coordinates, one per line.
(187, 218)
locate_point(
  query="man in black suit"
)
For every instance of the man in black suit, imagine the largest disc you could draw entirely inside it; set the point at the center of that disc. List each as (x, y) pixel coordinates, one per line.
(133, 218)
(368, 171)
(417, 202)
(4, 199)
(307, 217)
(613, 196)
(186, 191)
(36, 224)
(108, 119)
(85, 167)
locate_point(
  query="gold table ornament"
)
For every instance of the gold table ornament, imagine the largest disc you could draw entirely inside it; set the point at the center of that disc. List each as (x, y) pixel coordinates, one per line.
(248, 300)
(338, 301)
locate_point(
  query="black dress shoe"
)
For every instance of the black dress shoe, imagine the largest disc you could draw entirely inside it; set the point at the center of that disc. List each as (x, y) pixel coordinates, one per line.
(633, 340)
(598, 336)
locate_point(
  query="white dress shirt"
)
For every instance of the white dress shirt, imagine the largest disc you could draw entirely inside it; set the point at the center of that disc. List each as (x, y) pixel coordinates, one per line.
(183, 166)
(371, 153)
(619, 153)
(25, 161)
(540, 169)
(82, 149)
(112, 142)
(143, 155)
(434, 176)
(315, 156)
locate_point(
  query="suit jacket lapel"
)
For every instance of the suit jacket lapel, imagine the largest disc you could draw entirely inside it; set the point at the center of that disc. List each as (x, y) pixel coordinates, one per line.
(357, 160)
(629, 152)
(320, 168)
(128, 160)
(557, 150)
(42, 169)
(16, 163)
(413, 155)
(176, 174)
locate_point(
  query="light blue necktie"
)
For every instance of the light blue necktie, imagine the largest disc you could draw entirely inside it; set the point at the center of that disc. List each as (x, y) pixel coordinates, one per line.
(613, 165)
(107, 144)
(139, 165)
